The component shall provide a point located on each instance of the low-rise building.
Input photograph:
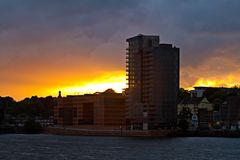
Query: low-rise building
(198, 92)
(230, 113)
(105, 109)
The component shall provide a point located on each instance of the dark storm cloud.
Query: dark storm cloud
(41, 20)
(97, 29)
(36, 18)
(199, 27)
(50, 26)
(216, 16)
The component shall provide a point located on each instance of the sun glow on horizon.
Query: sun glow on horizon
(114, 80)
(229, 81)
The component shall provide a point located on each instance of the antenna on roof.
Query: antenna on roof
(59, 94)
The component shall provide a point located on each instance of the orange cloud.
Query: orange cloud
(219, 70)
(229, 81)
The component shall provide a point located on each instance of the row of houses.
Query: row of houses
(214, 113)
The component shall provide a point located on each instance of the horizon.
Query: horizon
(95, 92)
(79, 47)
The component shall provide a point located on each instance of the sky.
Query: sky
(78, 46)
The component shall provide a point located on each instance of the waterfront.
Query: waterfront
(43, 146)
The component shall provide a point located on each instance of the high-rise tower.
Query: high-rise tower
(153, 83)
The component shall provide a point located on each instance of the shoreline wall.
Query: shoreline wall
(123, 133)
(139, 133)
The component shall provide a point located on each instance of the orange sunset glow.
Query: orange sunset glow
(228, 82)
(73, 86)
(115, 80)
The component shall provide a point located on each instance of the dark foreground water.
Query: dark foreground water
(30, 147)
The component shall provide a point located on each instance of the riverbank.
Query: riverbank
(207, 133)
(6, 129)
(28, 128)
(124, 133)
(105, 132)
(137, 133)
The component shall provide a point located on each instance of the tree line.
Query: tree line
(31, 107)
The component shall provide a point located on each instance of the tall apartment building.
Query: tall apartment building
(153, 83)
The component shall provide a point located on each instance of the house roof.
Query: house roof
(194, 100)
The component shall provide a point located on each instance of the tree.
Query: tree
(183, 124)
(32, 127)
(31, 107)
(183, 116)
(183, 94)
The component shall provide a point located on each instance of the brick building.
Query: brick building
(106, 109)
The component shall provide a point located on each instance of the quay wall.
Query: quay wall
(90, 132)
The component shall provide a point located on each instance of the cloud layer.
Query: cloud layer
(58, 42)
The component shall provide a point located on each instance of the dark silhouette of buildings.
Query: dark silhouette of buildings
(201, 91)
(201, 108)
(153, 83)
(233, 111)
(100, 109)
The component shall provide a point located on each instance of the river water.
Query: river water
(54, 147)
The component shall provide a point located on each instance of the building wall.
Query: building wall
(114, 113)
(224, 112)
(87, 113)
(99, 111)
(233, 110)
(205, 118)
(166, 83)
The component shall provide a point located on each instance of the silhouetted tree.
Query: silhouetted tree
(183, 116)
(31, 107)
(30, 126)
(183, 124)
(183, 94)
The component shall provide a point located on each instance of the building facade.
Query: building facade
(104, 109)
(153, 83)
